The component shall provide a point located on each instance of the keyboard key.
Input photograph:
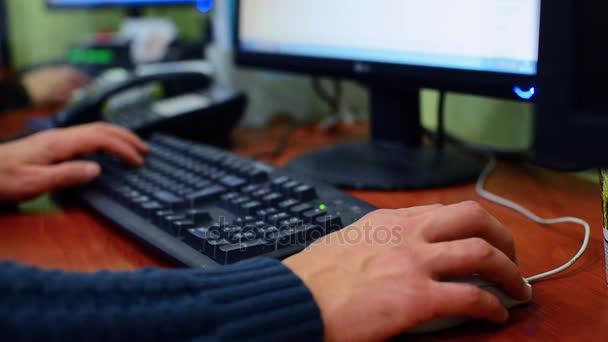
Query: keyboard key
(161, 215)
(272, 199)
(268, 232)
(169, 200)
(301, 235)
(230, 231)
(275, 219)
(299, 210)
(287, 204)
(250, 189)
(227, 198)
(237, 203)
(278, 182)
(214, 229)
(243, 236)
(261, 193)
(257, 175)
(196, 238)
(149, 209)
(137, 202)
(311, 215)
(229, 254)
(168, 221)
(244, 221)
(199, 216)
(251, 208)
(233, 182)
(179, 228)
(265, 213)
(292, 222)
(260, 224)
(305, 193)
(206, 195)
(289, 187)
(211, 249)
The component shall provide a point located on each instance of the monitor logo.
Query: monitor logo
(525, 94)
(362, 68)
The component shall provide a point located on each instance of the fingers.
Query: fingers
(72, 142)
(476, 256)
(466, 300)
(468, 220)
(119, 148)
(127, 136)
(64, 175)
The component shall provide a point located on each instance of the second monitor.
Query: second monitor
(396, 47)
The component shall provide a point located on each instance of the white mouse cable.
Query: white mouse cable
(512, 205)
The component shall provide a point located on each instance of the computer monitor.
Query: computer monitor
(134, 6)
(396, 47)
(572, 108)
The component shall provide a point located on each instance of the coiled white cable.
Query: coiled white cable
(520, 209)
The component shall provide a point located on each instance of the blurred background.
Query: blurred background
(34, 34)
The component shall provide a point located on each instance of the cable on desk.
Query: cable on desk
(440, 137)
(281, 146)
(520, 209)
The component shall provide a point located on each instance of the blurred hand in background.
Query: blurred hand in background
(53, 85)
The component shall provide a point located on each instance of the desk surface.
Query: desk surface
(573, 305)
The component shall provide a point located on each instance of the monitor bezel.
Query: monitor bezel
(467, 81)
(50, 5)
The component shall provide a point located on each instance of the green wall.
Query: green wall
(39, 34)
(479, 120)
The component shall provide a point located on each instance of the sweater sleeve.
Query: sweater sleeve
(13, 95)
(259, 299)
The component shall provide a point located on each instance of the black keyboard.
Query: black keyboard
(206, 207)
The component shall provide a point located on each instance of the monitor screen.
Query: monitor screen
(476, 35)
(102, 3)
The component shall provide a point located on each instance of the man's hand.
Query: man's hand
(39, 164)
(53, 85)
(387, 273)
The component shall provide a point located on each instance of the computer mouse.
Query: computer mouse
(446, 323)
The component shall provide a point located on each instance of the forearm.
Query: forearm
(259, 299)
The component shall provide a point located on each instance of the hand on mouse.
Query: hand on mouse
(40, 163)
(386, 273)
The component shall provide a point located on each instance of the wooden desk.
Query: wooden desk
(571, 306)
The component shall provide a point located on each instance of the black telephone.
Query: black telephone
(193, 107)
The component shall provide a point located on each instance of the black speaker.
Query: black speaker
(572, 103)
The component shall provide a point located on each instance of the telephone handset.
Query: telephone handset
(90, 107)
(192, 108)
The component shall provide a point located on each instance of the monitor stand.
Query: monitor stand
(395, 158)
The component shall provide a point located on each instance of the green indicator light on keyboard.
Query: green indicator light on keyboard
(323, 207)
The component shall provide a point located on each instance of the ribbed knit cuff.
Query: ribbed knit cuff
(264, 300)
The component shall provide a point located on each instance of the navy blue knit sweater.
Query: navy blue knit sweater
(260, 299)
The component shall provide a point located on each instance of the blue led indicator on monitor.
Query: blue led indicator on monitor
(204, 5)
(525, 94)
